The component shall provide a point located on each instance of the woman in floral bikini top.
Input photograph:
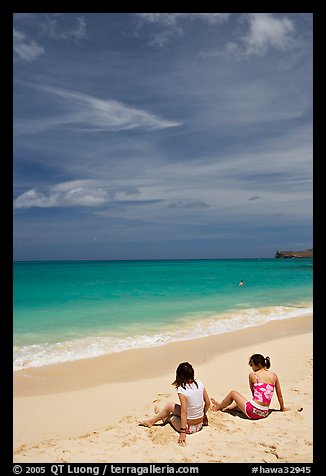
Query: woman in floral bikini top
(262, 391)
(262, 383)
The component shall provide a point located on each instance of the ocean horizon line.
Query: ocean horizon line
(149, 259)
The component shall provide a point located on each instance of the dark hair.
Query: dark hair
(258, 359)
(184, 373)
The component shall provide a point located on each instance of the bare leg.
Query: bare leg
(169, 410)
(233, 396)
(233, 406)
(215, 404)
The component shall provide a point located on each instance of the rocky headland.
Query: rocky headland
(294, 254)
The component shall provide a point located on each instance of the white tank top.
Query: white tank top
(195, 399)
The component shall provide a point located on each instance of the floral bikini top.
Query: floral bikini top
(263, 392)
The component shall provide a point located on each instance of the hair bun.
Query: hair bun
(267, 362)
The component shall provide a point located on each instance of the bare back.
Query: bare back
(264, 376)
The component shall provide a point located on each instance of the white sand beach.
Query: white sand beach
(88, 410)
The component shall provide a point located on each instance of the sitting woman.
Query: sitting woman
(190, 416)
(262, 383)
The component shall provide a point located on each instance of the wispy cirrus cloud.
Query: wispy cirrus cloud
(90, 113)
(122, 140)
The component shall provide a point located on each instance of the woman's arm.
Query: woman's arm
(279, 394)
(183, 418)
(206, 406)
(251, 382)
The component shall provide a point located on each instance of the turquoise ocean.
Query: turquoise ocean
(70, 310)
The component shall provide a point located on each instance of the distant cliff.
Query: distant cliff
(294, 254)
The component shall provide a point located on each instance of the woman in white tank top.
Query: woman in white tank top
(190, 415)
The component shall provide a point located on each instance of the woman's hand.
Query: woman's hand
(182, 439)
(205, 420)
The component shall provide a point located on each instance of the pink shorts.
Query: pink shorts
(254, 411)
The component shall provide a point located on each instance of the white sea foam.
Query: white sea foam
(204, 325)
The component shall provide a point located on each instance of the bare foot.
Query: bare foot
(149, 422)
(146, 423)
(215, 405)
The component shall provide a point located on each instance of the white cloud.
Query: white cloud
(90, 113)
(80, 196)
(81, 193)
(25, 49)
(74, 184)
(273, 176)
(267, 32)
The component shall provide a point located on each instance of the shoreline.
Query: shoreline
(88, 410)
(92, 346)
(136, 364)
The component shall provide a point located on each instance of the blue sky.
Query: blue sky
(155, 135)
